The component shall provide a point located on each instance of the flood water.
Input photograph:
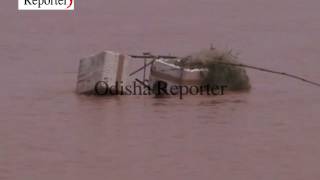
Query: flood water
(48, 132)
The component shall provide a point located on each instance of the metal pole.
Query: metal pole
(144, 70)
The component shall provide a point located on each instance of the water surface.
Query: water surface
(49, 132)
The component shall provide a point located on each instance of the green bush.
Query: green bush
(220, 72)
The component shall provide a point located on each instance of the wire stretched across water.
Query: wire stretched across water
(230, 64)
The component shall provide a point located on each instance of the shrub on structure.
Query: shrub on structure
(220, 68)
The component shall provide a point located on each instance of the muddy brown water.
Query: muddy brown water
(49, 132)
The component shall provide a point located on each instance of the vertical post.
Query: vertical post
(144, 70)
(145, 65)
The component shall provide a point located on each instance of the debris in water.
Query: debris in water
(219, 71)
(211, 67)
